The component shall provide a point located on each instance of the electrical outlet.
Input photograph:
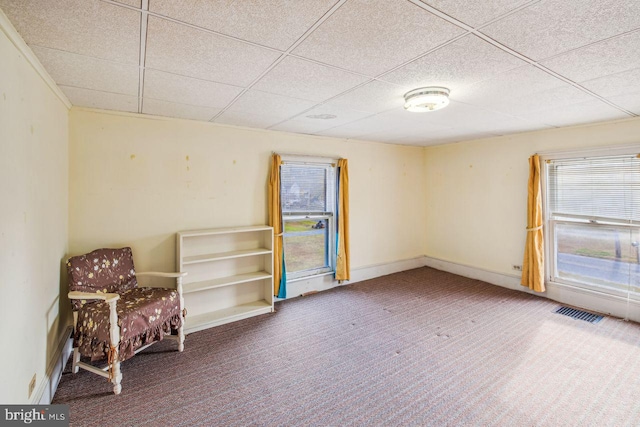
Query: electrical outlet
(517, 267)
(32, 385)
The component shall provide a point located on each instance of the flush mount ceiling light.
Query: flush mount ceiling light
(426, 99)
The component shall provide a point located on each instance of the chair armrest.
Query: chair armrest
(177, 276)
(161, 274)
(91, 295)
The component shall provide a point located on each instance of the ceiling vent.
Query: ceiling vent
(322, 116)
(426, 99)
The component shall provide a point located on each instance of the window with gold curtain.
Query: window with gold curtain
(309, 210)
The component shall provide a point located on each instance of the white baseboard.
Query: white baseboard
(296, 288)
(506, 281)
(48, 387)
(583, 298)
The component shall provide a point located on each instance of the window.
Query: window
(593, 223)
(308, 196)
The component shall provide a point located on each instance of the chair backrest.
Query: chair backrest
(103, 270)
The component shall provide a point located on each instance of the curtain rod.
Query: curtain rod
(307, 155)
(623, 149)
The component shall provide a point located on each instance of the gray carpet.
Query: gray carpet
(417, 348)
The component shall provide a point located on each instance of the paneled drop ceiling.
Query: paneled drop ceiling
(340, 68)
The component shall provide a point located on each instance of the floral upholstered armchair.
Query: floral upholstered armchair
(113, 317)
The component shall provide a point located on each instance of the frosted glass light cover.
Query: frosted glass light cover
(426, 99)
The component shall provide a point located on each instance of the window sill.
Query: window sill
(313, 276)
(632, 299)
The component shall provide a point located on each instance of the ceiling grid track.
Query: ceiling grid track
(284, 54)
(468, 30)
(144, 21)
(518, 55)
(626, 33)
(529, 60)
(302, 38)
(215, 33)
(371, 79)
(189, 25)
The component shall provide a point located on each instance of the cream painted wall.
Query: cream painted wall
(476, 191)
(136, 180)
(33, 223)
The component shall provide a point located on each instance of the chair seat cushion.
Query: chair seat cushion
(144, 316)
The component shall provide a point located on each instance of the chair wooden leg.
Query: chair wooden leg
(117, 377)
(76, 358)
(182, 314)
(114, 357)
(180, 338)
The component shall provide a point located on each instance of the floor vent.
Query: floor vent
(579, 314)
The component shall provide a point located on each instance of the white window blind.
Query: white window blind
(602, 188)
(305, 188)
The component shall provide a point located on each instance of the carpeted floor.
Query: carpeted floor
(417, 348)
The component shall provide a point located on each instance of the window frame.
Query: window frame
(551, 223)
(331, 216)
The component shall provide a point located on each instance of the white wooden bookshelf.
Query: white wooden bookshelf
(230, 274)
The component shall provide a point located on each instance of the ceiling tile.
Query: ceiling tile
(262, 121)
(473, 118)
(393, 124)
(373, 124)
(474, 13)
(630, 101)
(134, 3)
(577, 114)
(342, 132)
(184, 50)
(463, 62)
(456, 134)
(187, 90)
(615, 84)
(411, 122)
(512, 84)
(322, 116)
(70, 69)
(253, 21)
(543, 100)
(305, 124)
(551, 27)
(297, 78)
(91, 28)
(182, 111)
(504, 125)
(352, 130)
(373, 97)
(373, 36)
(263, 103)
(104, 100)
(439, 138)
(388, 137)
(296, 126)
(426, 137)
(599, 59)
